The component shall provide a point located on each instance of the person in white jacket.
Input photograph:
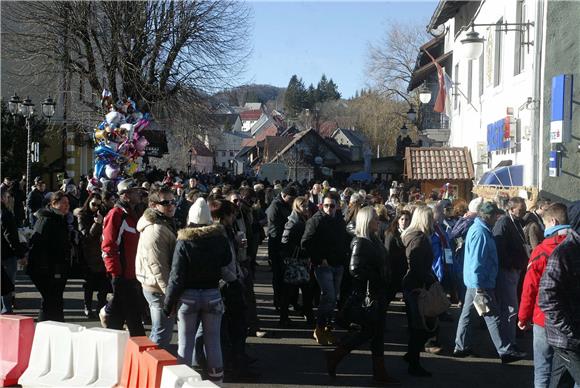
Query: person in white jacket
(153, 260)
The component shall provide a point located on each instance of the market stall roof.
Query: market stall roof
(505, 176)
(438, 163)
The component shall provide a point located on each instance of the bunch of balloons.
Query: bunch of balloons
(118, 139)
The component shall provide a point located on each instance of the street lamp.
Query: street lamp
(472, 45)
(404, 130)
(424, 94)
(25, 108)
(411, 114)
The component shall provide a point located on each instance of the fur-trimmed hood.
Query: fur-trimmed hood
(197, 233)
(152, 217)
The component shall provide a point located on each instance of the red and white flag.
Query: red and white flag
(442, 93)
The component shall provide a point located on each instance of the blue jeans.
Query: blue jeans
(507, 296)
(329, 278)
(161, 325)
(203, 305)
(543, 354)
(10, 266)
(463, 336)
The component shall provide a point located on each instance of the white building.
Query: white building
(501, 101)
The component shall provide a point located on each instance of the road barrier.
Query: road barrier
(133, 365)
(16, 335)
(176, 375)
(154, 361)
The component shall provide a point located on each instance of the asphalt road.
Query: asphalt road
(290, 357)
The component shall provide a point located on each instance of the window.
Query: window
(520, 56)
(469, 80)
(481, 75)
(224, 154)
(497, 53)
(231, 153)
(454, 89)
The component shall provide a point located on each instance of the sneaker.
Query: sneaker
(462, 353)
(435, 349)
(104, 317)
(514, 356)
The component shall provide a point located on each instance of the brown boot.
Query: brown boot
(319, 335)
(380, 374)
(334, 358)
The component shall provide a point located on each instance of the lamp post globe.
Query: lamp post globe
(472, 45)
(411, 114)
(48, 107)
(404, 130)
(27, 107)
(14, 104)
(424, 94)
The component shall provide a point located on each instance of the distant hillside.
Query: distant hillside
(238, 96)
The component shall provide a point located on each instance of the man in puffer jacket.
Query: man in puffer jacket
(153, 260)
(555, 220)
(119, 247)
(560, 301)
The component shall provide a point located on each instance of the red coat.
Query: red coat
(119, 245)
(529, 310)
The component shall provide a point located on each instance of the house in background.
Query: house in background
(354, 141)
(201, 158)
(250, 118)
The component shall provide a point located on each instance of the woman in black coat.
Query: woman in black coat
(90, 225)
(396, 251)
(291, 238)
(419, 254)
(370, 272)
(49, 257)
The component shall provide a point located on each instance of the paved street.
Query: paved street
(292, 358)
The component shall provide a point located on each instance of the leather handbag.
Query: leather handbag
(359, 308)
(432, 301)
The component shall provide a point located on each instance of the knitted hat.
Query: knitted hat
(199, 213)
(475, 204)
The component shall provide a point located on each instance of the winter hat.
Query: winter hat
(199, 213)
(475, 204)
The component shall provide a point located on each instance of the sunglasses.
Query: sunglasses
(167, 202)
(329, 205)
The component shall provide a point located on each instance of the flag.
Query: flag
(442, 93)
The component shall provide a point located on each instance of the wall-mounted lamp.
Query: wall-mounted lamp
(472, 45)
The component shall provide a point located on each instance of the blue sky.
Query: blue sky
(309, 38)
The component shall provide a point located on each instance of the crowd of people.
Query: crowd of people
(166, 249)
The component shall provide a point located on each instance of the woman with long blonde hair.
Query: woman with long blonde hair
(417, 240)
(370, 277)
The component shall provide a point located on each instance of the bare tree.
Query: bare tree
(157, 52)
(391, 60)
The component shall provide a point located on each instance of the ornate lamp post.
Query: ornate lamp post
(25, 108)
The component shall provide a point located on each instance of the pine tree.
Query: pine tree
(322, 89)
(311, 97)
(294, 96)
(332, 91)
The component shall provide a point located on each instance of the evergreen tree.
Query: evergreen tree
(311, 97)
(322, 89)
(332, 91)
(295, 96)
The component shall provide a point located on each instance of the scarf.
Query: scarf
(554, 229)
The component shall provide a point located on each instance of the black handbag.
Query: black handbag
(359, 309)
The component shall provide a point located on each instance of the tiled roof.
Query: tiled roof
(274, 144)
(327, 128)
(251, 115)
(438, 163)
(200, 149)
(269, 131)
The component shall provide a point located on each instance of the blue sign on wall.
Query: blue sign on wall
(496, 136)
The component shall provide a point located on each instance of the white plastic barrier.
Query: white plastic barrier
(175, 376)
(51, 358)
(199, 384)
(68, 355)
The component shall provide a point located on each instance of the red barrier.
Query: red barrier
(153, 362)
(133, 365)
(16, 334)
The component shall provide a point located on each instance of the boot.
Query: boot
(380, 374)
(334, 358)
(319, 335)
(330, 340)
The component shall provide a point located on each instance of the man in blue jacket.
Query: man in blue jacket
(480, 271)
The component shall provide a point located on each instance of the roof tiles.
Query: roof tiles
(438, 163)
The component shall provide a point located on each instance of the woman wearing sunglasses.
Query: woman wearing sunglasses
(90, 225)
